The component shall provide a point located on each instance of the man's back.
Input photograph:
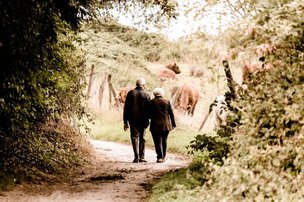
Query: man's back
(135, 118)
(134, 108)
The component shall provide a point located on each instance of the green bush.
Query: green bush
(266, 154)
(216, 147)
(41, 83)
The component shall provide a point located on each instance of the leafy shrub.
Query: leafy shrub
(216, 147)
(266, 153)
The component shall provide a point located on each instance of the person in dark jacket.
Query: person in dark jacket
(135, 117)
(162, 121)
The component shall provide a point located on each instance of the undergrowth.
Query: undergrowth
(45, 156)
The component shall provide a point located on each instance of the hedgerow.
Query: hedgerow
(266, 154)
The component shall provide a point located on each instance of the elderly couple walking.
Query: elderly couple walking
(138, 109)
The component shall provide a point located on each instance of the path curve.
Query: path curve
(111, 178)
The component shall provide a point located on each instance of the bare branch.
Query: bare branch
(235, 9)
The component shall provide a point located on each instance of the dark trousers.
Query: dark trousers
(138, 141)
(160, 143)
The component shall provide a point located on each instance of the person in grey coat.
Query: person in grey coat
(135, 117)
(162, 122)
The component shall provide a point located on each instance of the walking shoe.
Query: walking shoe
(135, 161)
(159, 161)
(143, 160)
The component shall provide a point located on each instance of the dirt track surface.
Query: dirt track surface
(111, 177)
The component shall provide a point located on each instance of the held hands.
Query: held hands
(126, 126)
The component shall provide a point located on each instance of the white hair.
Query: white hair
(158, 92)
(140, 82)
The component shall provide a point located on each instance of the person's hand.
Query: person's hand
(126, 126)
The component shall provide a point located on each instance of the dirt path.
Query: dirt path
(112, 177)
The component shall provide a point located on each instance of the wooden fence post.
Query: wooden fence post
(204, 121)
(90, 82)
(230, 81)
(101, 90)
(112, 92)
